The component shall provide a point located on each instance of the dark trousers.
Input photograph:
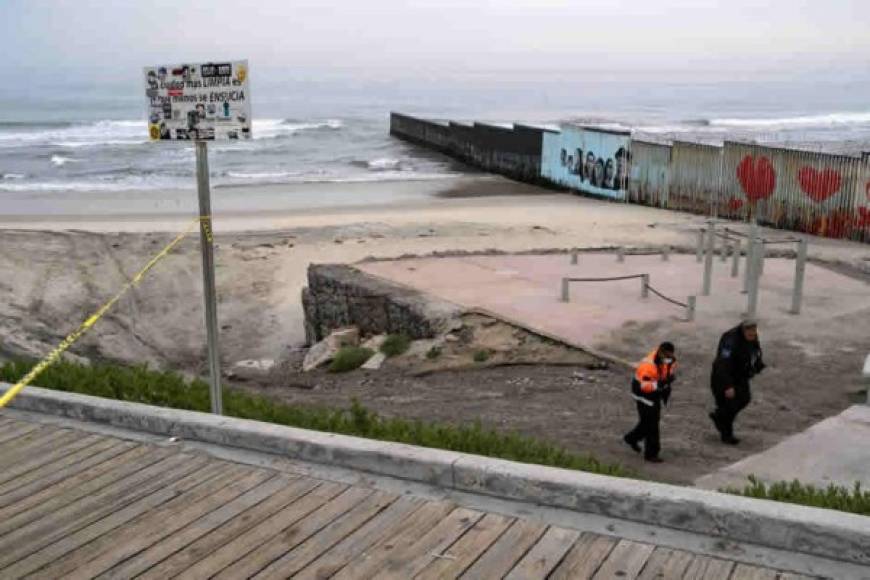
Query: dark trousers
(647, 429)
(728, 409)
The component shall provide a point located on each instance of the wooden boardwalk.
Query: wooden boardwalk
(74, 504)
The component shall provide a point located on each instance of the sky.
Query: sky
(328, 39)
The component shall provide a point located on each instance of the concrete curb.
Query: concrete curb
(817, 532)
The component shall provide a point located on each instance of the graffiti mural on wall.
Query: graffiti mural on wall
(589, 160)
(817, 193)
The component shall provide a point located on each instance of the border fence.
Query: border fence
(805, 191)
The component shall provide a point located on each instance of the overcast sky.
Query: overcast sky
(427, 37)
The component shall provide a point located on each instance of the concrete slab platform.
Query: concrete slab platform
(526, 289)
(840, 455)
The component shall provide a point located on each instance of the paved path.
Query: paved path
(81, 504)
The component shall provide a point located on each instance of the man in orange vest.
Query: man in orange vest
(650, 387)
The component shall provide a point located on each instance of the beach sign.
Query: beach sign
(206, 101)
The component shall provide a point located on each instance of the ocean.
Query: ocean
(83, 141)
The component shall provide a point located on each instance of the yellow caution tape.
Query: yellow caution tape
(55, 354)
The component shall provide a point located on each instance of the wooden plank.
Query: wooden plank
(34, 443)
(47, 457)
(39, 533)
(401, 564)
(49, 475)
(463, 553)
(294, 535)
(236, 527)
(386, 523)
(507, 550)
(625, 561)
(18, 431)
(161, 550)
(16, 514)
(262, 532)
(666, 564)
(704, 568)
(545, 555)
(100, 556)
(585, 558)
(49, 501)
(303, 554)
(746, 572)
(366, 564)
(53, 553)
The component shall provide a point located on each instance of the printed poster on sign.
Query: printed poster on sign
(205, 101)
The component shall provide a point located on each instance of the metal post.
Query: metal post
(735, 259)
(666, 254)
(750, 255)
(206, 237)
(691, 303)
(574, 258)
(700, 249)
(799, 271)
(644, 286)
(565, 296)
(620, 254)
(755, 278)
(723, 253)
(762, 253)
(708, 261)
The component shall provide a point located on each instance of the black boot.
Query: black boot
(632, 444)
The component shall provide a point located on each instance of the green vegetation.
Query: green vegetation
(433, 353)
(833, 497)
(350, 358)
(167, 389)
(396, 344)
(481, 356)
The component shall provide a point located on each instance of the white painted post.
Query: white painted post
(666, 254)
(644, 286)
(708, 261)
(735, 259)
(691, 304)
(573, 258)
(620, 254)
(755, 279)
(700, 249)
(565, 297)
(799, 272)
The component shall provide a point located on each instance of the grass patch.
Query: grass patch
(350, 358)
(396, 344)
(167, 389)
(433, 353)
(854, 500)
(481, 356)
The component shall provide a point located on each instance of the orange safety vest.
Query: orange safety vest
(650, 375)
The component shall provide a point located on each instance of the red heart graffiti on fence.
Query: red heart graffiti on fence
(819, 185)
(757, 177)
(864, 217)
(735, 203)
(867, 190)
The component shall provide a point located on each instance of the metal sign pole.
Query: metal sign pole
(206, 242)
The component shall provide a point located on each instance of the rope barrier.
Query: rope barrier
(665, 298)
(633, 276)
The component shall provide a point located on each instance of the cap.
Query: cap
(749, 323)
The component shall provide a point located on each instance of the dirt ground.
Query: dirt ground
(588, 411)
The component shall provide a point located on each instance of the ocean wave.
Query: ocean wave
(11, 176)
(261, 175)
(381, 164)
(276, 128)
(60, 160)
(805, 121)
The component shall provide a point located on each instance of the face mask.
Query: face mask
(668, 361)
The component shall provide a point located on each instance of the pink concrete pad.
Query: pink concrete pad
(527, 289)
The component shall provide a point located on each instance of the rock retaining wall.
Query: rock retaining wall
(340, 295)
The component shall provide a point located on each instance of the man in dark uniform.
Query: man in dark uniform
(738, 359)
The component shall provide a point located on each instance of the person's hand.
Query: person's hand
(729, 393)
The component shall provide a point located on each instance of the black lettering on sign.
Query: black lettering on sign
(216, 70)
